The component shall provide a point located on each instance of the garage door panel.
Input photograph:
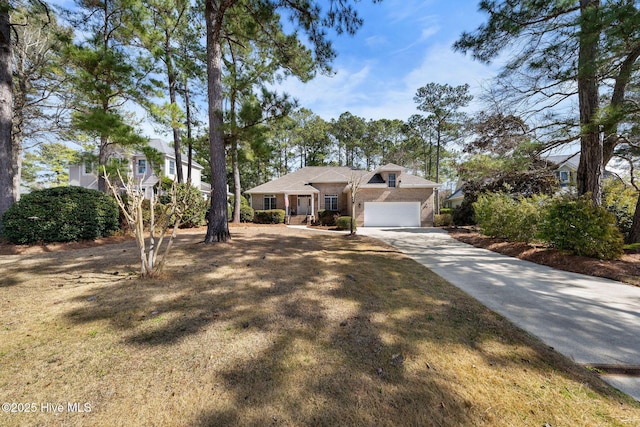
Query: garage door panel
(392, 214)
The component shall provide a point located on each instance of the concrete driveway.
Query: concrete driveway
(592, 321)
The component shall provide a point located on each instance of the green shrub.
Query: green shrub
(580, 227)
(443, 220)
(327, 217)
(620, 199)
(344, 223)
(499, 215)
(246, 211)
(61, 214)
(444, 211)
(194, 215)
(464, 214)
(273, 216)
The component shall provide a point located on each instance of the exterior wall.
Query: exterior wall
(332, 189)
(422, 195)
(257, 201)
(196, 173)
(77, 177)
(453, 203)
(571, 176)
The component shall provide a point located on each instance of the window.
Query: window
(331, 202)
(88, 168)
(172, 167)
(269, 202)
(564, 176)
(142, 166)
(392, 180)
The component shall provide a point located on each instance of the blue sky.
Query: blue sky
(403, 45)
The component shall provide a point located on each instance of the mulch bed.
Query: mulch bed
(625, 269)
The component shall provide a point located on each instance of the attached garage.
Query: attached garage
(392, 214)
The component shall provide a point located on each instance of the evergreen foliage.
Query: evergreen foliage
(582, 228)
(500, 215)
(344, 223)
(273, 216)
(61, 214)
(196, 206)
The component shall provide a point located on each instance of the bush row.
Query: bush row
(60, 214)
(273, 216)
(568, 223)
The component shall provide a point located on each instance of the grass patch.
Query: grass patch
(277, 327)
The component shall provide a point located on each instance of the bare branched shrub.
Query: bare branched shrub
(162, 218)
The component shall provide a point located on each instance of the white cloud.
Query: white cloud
(377, 41)
(441, 64)
(386, 90)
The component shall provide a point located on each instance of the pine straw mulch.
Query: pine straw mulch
(625, 269)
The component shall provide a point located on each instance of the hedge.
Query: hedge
(344, 223)
(500, 215)
(327, 217)
(61, 214)
(273, 216)
(582, 228)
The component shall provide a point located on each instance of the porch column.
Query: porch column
(286, 203)
(312, 206)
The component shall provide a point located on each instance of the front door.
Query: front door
(304, 205)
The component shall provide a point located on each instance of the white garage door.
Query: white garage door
(392, 214)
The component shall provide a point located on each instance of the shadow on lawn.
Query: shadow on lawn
(362, 365)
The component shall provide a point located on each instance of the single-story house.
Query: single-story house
(385, 197)
(85, 175)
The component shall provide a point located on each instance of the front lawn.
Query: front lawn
(277, 327)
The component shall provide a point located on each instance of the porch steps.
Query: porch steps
(298, 220)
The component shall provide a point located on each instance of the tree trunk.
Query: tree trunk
(436, 191)
(589, 175)
(21, 89)
(236, 182)
(7, 195)
(189, 140)
(171, 76)
(217, 228)
(103, 157)
(634, 234)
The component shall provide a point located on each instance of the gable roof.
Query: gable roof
(571, 160)
(166, 149)
(302, 180)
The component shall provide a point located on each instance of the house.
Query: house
(455, 199)
(386, 197)
(566, 167)
(84, 175)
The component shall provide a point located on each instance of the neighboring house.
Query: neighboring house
(84, 175)
(565, 168)
(386, 197)
(455, 199)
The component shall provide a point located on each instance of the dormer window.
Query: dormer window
(392, 180)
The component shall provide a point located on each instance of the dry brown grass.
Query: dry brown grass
(277, 327)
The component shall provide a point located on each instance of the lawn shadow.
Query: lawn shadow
(325, 331)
